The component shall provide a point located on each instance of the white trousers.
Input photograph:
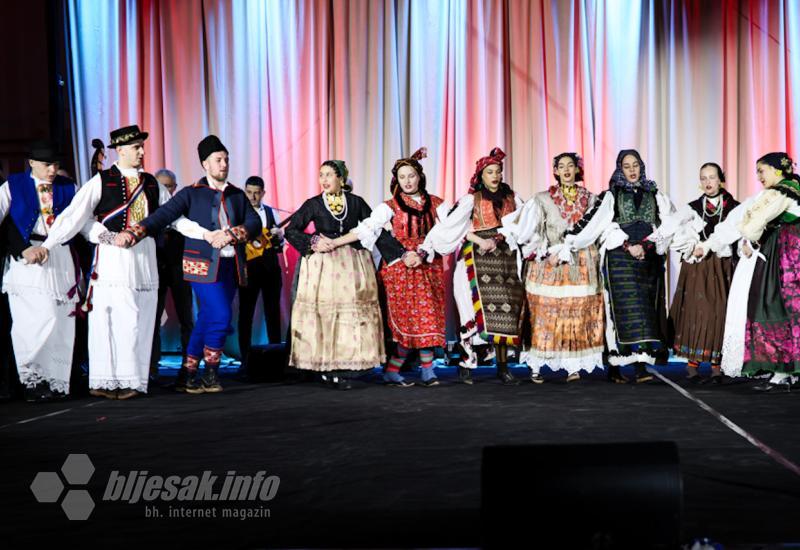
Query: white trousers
(121, 337)
(43, 334)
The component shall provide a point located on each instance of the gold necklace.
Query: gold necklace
(570, 193)
(335, 202)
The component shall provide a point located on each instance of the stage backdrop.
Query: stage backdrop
(288, 84)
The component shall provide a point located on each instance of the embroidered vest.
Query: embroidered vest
(116, 192)
(483, 216)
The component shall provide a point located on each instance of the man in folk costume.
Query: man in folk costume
(42, 296)
(123, 288)
(214, 260)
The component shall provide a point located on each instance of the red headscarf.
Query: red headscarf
(496, 156)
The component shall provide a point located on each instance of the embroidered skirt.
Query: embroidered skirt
(497, 293)
(336, 318)
(565, 305)
(772, 335)
(698, 309)
(415, 303)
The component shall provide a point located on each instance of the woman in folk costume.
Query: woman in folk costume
(336, 325)
(414, 288)
(767, 338)
(632, 256)
(701, 296)
(488, 292)
(564, 299)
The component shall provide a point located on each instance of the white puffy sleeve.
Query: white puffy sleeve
(525, 228)
(78, 216)
(668, 217)
(369, 229)
(601, 226)
(182, 225)
(5, 201)
(448, 233)
(769, 206)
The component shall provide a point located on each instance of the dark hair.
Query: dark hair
(99, 149)
(394, 186)
(255, 181)
(338, 171)
(578, 164)
(720, 173)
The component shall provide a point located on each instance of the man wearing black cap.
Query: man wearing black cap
(213, 263)
(123, 287)
(41, 296)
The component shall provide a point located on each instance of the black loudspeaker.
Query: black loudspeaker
(619, 495)
(267, 363)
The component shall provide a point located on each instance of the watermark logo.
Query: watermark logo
(49, 486)
(140, 486)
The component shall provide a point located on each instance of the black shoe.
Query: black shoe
(642, 375)
(465, 375)
(186, 382)
(210, 380)
(343, 383)
(696, 379)
(39, 394)
(615, 376)
(765, 387)
(505, 376)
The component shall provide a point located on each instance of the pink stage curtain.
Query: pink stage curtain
(287, 84)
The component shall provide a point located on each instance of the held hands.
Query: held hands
(747, 249)
(324, 244)
(637, 251)
(412, 259)
(698, 252)
(487, 245)
(218, 238)
(123, 239)
(553, 260)
(35, 254)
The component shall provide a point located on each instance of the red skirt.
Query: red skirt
(415, 303)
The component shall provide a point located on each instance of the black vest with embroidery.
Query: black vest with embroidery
(115, 194)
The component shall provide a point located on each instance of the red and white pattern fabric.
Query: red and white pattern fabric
(414, 296)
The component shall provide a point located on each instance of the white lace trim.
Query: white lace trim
(58, 295)
(620, 360)
(590, 362)
(736, 318)
(116, 384)
(30, 378)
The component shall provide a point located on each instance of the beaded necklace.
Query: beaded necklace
(336, 205)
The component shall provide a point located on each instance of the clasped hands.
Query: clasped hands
(218, 239)
(35, 254)
(637, 251)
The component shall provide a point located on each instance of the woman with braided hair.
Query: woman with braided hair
(486, 285)
(414, 287)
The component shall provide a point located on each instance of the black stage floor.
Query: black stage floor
(380, 466)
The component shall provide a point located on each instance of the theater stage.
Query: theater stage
(379, 466)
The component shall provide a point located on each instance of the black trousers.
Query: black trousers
(171, 278)
(263, 277)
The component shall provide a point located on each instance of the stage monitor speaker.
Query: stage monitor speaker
(267, 363)
(620, 495)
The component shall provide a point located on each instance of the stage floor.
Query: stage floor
(385, 466)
